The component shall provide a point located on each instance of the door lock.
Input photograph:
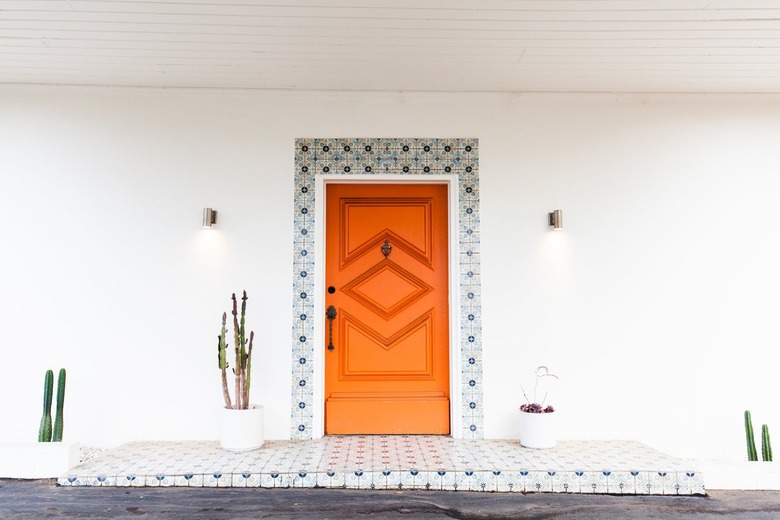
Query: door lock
(331, 315)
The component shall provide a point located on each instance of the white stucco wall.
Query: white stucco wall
(657, 305)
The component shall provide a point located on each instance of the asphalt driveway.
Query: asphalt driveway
(43, 499)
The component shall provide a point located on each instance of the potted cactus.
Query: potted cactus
(45, 431)
(766, 443)
(49, 456)
(242, 422)
(751, 473)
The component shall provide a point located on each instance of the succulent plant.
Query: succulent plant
(536, 407)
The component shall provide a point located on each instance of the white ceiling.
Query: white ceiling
(437, 45)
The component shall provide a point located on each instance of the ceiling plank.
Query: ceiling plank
(491, 45)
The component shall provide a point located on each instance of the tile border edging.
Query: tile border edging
(411, 157)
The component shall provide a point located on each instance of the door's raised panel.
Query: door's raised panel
(407, 354)
(387, 288)
(361, 222)
(364, 227)
(374, 247)
(427, 413)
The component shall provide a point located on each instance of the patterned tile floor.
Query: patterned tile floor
(397, 462)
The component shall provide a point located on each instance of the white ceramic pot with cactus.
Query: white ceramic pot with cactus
(538, 420)
(50, 457)
(242, 423)
(242, 430)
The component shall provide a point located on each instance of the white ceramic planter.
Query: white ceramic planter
(723, 474)
(37, 459)
(242, 430)
(538, 430)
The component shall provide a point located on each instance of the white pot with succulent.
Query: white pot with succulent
(537, 421)
(242, 423)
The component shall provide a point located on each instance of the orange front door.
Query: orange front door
(387, 353)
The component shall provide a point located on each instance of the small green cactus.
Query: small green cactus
(751, 441)
(766, 444)
(59, 418)
(44, 430)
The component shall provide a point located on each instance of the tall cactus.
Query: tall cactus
(248, 368)
(766, 444)
(59, 418)
(751, 441)
(243, 356)
(246, 353)
(44, 430)
(238, 347)
(222, 358)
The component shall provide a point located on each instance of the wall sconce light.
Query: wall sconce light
(209, 217)
(555, 219)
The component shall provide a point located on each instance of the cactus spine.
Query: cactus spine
(243, 356)
(59, 418)
(766, 444)
(44, 430)
(751, 441)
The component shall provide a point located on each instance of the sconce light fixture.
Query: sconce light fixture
(209, 217)
(555, 219)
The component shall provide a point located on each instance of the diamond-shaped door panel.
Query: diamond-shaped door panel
(387, 288)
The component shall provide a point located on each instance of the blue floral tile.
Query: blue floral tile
(159, 480)
(387, 478)
(413, 478)
(663, 482)
(393, 156)
(188, 480)
(303, 479)
(103, 481)
(443, 479)
(691, 481)
(122, 481)
(358, 479)
(621, 483)
(330, 479)
(275, 479)
(564, 482)
(467, 480)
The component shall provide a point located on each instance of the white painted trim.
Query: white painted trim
(318, 419)
(456, 426)
(320, 181)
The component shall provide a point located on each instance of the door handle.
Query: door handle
(331, 315)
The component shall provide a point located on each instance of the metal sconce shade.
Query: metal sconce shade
(209, 217)
(556, 219)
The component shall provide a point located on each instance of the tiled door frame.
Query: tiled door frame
(450, 161)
